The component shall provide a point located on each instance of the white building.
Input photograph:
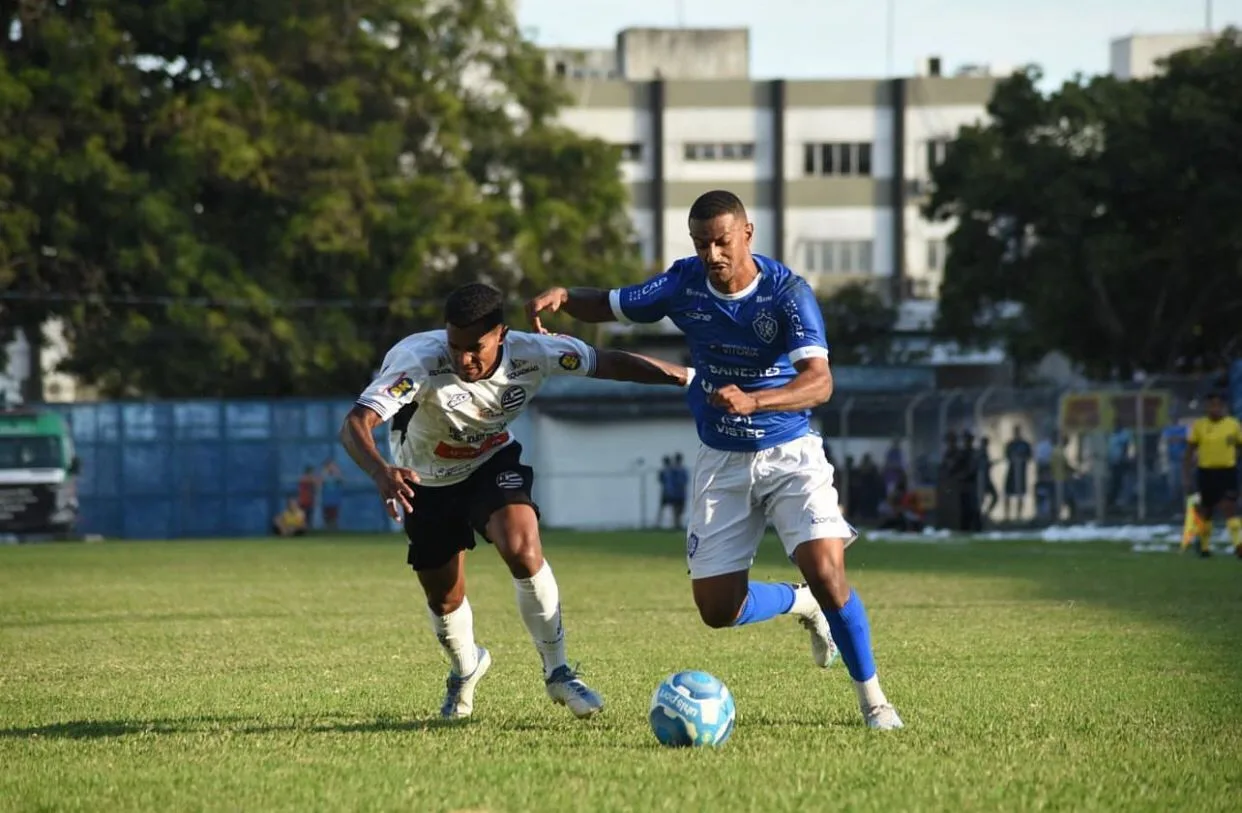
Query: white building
(833, 172)
(1136, 57)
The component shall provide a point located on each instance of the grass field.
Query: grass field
(271, 675)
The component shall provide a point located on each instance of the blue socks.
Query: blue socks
(766, 600)
(852, 634)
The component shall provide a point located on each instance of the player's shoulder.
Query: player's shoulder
(780, 279)
(427, 349)
(521, 340)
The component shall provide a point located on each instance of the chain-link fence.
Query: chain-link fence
(1102, 453)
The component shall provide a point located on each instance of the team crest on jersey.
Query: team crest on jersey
(509, 480)
(692, 545)
(401, 387)
(765, 327)
(570, 361)
(512, 399)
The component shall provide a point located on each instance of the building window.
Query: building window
(631, 152)
(838, 256)
(715, 151)
(936, 253)
(937, 151)
(836, 159)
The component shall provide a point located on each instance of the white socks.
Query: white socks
(539, 604)
(455, 632)
(870, 694)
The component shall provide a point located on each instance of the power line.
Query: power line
(207, 302)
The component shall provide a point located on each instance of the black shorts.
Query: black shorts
(676, 504)
(446, 518)
(1216, 486)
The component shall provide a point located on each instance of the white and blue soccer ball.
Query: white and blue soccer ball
(691, 709)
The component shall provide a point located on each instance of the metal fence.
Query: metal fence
(208, 468)
(1103, 453)
(224, 468)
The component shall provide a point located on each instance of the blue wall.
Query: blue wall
(208, 468)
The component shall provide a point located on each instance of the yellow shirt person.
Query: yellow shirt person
(1214, 441)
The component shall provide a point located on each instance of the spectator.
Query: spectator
(902, 511)
(308, 485)
(1176, 437)
(1017, 473)
(968, 476)
(870, 487)
(949, 485)
(1120, 443)
(680, 485)
(291, 521)
(1062, 482)
(987, 487)
(331, 492)
(894, 465)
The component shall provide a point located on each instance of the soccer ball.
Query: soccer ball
(691, 709)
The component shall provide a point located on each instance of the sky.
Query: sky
(803, 39)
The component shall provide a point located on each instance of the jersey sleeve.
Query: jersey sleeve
(1196, 434)
(645, 302)
(397, 383)
(802, 321)
(565, 355)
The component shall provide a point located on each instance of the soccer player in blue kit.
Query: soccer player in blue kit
(757, 344)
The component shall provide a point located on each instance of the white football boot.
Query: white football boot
(882, 718)
(567, 689)
(811, 617)
(459, 690)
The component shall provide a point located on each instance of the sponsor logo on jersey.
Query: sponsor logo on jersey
(698, 316)
(522, 367)
(763, 299)
(747, 432)
(744, 372)
(450, 452)
(570, 361)
(735, 350)
(512, 399)
(794, 318)
(441, 371)
(509, 480)
(765, 327)
(456, 400)
(655, 285)
(697, 292)
(403, 386)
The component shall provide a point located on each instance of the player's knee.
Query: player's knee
(522, 553)
(824, 572)
(446, 601)
(719, 612)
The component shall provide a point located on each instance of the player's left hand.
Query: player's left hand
(733, 400)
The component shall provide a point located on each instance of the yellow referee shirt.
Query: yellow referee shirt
(1216, 442)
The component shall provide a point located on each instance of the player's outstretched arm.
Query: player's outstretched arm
(583, 304)
(618, 365)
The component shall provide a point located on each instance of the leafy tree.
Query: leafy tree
(859, 325)
(304, 184)
(1101, 220)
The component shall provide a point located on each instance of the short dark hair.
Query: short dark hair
(475, 304)
(713, 204)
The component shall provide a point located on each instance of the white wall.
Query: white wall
(616, 126)
(717, 125)
(926, 123)
(602, 475)
(803, 224)
(862, 125)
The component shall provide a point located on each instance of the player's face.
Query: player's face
(723, 244)
(474, 352)
(1216, 408)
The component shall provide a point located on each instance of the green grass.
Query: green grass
(270, 675)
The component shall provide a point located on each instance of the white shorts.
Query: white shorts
(736, 495)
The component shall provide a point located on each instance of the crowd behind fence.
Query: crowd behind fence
(1102, 453)
(1109, 454)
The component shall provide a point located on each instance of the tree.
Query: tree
(859, 325)
(1101, 220)
(304, 185)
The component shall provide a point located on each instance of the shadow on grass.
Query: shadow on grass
(107, 729)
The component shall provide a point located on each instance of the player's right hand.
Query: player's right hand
(395, 485)
(551, 301)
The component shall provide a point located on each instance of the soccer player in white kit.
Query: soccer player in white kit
(757, 343)
(451, 395)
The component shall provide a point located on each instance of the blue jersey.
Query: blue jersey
(752, 339)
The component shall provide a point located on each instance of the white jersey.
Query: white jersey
(457, 426)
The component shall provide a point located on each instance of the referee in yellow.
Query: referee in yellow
(1214, 441)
